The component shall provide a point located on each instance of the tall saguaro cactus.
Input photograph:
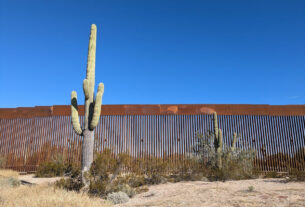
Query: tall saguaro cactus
(218, 141)
(92, 106)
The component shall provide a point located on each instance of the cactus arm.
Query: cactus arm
(216, 133)
(74, 114)
(86, 88)
(215, 126)
(91, 60)
(234, 142)
(90, 76)
(97, 106)
(219, 149)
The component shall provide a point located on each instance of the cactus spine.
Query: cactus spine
(92, 107)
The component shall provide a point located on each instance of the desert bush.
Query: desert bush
(104, 171)
(72, 183)
(236, 164)
(57, 167)
(100, 175)
(74, 180)
(117, 197)
(99, 188)
(102, 167)
(50, 169)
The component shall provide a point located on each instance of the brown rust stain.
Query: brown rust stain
(207, 110)
(172, 109)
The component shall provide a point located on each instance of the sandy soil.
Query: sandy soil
(266, 192)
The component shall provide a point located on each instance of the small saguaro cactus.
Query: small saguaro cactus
(218, 141)
(92, 106)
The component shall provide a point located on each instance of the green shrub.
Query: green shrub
(104, 171)
(72, 184)
(50, 169)
(57, 167)
(99, 188)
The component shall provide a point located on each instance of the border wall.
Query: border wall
(31, 135)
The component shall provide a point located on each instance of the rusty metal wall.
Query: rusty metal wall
(278, 139)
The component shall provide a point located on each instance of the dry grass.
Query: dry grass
(8, 173)
(46, 196)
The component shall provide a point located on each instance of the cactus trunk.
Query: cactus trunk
(219, 149)
(87, 150)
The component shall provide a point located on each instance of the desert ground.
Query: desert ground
(264, 192)
(244, 193)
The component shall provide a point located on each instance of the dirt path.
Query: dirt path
(266, 192)
(31, 179)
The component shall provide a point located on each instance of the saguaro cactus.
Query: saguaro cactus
(218, 141)
(92, 107)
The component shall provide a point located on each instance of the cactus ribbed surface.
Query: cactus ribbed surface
(92, 107)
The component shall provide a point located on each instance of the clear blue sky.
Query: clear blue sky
(154, 52)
